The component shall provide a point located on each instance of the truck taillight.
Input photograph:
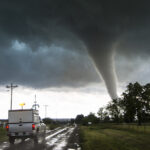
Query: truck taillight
(7, 127)
(33, 126)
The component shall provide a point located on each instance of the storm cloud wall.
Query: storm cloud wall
(102, 26)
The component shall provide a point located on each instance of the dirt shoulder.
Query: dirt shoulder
(73, 141)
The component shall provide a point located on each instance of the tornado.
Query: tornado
(101, 47)
(102, 55)
(106, 69)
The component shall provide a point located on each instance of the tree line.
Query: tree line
(132, 106)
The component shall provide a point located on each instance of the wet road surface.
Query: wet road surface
(54, 140)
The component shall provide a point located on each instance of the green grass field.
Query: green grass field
(115, 137)
(3, 134)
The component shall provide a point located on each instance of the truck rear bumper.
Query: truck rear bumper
(21, 134)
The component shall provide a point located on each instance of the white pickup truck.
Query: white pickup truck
(24, 123)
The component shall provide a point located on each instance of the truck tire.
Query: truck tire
(11, 140)
(44, 133)
(43, 136)
(35, 140)
(23, 140)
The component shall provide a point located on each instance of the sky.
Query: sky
(74, 55)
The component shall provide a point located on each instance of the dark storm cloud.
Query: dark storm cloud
(47, 66)
(100, 26)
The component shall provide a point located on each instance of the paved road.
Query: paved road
(55, 140)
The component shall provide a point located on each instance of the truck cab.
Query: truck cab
(25, 123)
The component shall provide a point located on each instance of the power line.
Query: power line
(11, 86)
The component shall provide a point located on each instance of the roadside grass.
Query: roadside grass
(113, 137)
(3, 135)
(145, 128)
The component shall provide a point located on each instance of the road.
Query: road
(58, 139)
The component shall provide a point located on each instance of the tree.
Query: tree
(92, 118)
(72, 121)
(79, 119)
(47, 120)
(103, 114)
(134, 105)
(146, 97)
(136, 102)
(107, 119)
(115, 110)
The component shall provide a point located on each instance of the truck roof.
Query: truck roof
(23, 110)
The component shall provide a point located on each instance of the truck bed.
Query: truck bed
(20, 122)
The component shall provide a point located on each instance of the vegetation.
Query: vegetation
(51, 124)
(133, 106)
(85, 120)
(114, 137)
(123, 124)
(3, 134)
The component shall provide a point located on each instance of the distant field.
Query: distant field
(3, 136)
(115, 137)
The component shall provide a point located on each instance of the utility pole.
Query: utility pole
(11, 86)
(45, 110)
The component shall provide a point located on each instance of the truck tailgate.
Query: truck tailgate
(20, 127)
